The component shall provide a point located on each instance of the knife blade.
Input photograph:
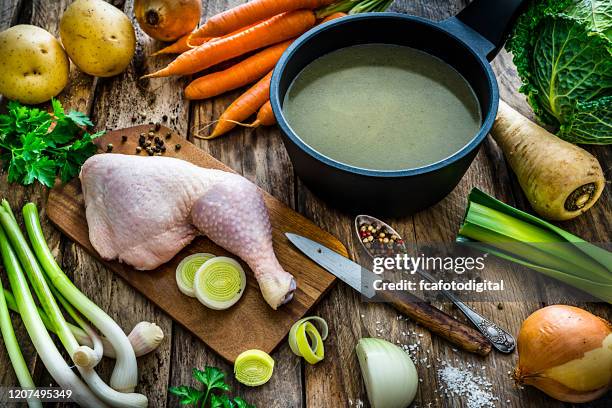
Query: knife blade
(349, 272)
(361, 279)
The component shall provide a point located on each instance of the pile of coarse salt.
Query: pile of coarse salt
(464, 383)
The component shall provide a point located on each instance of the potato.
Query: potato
(98, 37)
(33, 65)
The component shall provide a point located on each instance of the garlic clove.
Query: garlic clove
(145, 337)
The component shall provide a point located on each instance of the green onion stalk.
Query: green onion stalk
(14, 352)
(125, 373)
(354, 7)
(514, 235)
(46, 349)
(46, 297)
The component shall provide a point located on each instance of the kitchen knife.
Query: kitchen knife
(423, 313)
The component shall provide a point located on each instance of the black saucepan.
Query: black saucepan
(466, 42)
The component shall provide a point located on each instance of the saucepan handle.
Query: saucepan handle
(486, 24)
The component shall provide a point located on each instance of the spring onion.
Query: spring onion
(125, 372)
(49, 354)
(253, 368)
(145, 337)
(514, 235)
(389, 374)
(219, 283)
(186, 270)
(306, 341)
(14, 352)
(27, 258)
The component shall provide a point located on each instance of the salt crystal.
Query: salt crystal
(476, 389)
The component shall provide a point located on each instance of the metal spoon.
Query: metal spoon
(499, 338)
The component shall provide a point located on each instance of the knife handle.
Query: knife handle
(438, 322)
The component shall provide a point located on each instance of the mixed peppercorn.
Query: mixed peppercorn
(379, 240)
(152, 142)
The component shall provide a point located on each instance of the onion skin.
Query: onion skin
(554, 336)
(167, 20)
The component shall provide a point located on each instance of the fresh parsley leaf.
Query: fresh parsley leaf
(187, 395)
(36, 145)
(212, 378)
(240, 403)
(79, 118)
(42, 170)
(220, 401)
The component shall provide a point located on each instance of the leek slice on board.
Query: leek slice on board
(219, 283)
(495, 227)
(186, 270)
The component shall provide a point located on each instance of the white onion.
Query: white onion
(389, 374)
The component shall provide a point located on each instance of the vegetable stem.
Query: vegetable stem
(51, 357)
(14, 352)
(125, 373)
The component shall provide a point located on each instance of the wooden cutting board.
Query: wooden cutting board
(251, 323)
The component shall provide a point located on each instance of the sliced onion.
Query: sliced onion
(389, 374)
(253, 368)
(186, 270)
(306, 341)
(219, 283)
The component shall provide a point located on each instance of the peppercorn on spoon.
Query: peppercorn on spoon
(379, 239)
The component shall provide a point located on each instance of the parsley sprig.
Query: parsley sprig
(214, 393)
(38, 145)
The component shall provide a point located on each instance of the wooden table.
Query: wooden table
(260, 156)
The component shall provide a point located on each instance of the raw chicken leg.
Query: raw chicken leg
(144, 210)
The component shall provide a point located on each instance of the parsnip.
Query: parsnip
(560, 180)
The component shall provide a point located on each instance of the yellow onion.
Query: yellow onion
(565, 352)
(167, 20)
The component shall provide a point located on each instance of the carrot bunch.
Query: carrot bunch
(263, 28)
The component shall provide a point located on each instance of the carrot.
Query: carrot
(247, 104)
(334, 16)
(180, 46)
(265, 116)
(252, 12)
(276, 29)
(241, 74)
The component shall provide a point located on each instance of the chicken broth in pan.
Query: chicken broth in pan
(382, 107)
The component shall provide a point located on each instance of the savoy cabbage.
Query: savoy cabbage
(563, 53)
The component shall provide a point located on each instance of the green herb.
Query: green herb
(214, 393)
(354, 7)
(38, 145)
(519, 237)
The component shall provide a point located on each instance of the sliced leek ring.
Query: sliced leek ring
(219, 283)
(186, 270)
(306, 341)
(253, 368)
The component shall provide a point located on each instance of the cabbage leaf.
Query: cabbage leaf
(563, 53)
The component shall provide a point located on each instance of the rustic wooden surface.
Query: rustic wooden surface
(251, 323)
(259, 156)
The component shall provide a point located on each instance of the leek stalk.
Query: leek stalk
(14, 352)
(107, 394)
(125, 373)
(49, 354)
(514, 235)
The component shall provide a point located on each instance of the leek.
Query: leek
(49, 354)
(514, 235)
(14, 352)
(125, 373)
(253, 368)
(45, 296)
(144, 338)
